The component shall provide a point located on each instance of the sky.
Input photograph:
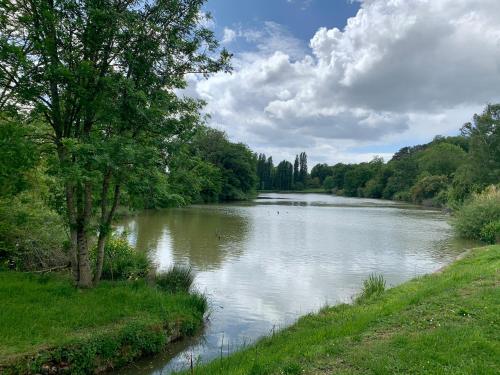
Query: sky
(346, 80)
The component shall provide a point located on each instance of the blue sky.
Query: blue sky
(349, 80)
(302, 17)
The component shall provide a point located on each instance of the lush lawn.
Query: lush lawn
(445, 323)
(46, 313)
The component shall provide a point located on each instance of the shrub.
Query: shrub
(478, 218)
(122, 261)
(177, 279)
(491, 232)
(32, 235)
(374, 285)
(428, 188)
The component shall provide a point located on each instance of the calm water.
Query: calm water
(265, 263)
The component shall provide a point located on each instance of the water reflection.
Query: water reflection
(201, 236)
(265, 263)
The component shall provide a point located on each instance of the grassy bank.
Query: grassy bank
(444, 323)
(48, 325)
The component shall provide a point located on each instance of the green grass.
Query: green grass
(47, 314)
(444, 323)
(176, 279)
(374, 285)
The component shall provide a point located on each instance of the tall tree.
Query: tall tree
(296, 175)
(104, 75)
(484, 145)
(303, 167)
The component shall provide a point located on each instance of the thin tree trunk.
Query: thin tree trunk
(85, 273)
(105, 227)
(73, 252)
(84, 214)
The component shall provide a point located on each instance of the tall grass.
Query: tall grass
(177, 279)
(374, 285)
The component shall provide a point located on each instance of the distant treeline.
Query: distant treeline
(444, 171)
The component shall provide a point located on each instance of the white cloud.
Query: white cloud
(401, 70)
(229, 35)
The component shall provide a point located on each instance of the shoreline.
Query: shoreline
(448, 295)
(44, 334)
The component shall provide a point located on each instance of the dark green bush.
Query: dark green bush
(478, 218)
(122, 261)
(177, 279)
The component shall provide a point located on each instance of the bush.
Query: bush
(177, 279)
(122, 261)
(374, 285)
(478, 218)
(491, 232)
(428, 188)
(32, 236)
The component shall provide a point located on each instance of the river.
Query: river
(265, 263)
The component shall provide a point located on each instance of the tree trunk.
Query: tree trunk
(82, 224)
(73, 253)
(105, 227)
(84, 271)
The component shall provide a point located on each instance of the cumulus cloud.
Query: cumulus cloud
(399, 70)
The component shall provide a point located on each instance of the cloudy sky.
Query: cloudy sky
(345, 80)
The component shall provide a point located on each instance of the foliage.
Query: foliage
(321, 171)
(31, 234)
(177, 279)
(211, 168)
(428, 188)
(122, 261)
(484, 136)
(373, 286)
(96, 329)
(440, 323)
(441, 159)
(491, 232)
(106, 85)
(17, 156)
(329, 183)
(479, 216)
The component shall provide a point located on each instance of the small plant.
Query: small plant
(122, 261)
(373, 286)
(177, 279)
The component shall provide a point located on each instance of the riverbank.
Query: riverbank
(48, 326)
(445, 323)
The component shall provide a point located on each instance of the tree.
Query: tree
(303, 167)
(284, 175)
(103, 74)
(321, 171)
(329, 183)
(442, 159)
(237, 164)
(484, 145)
(296, 175)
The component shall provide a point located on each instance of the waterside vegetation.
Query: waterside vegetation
(49, 326)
